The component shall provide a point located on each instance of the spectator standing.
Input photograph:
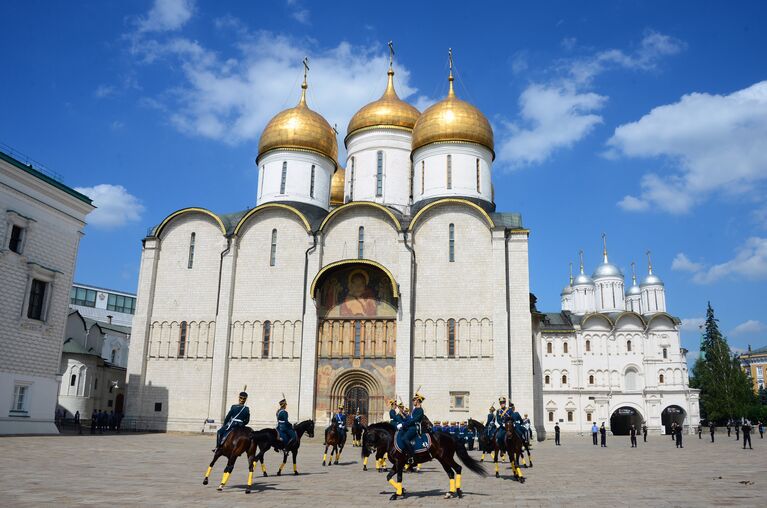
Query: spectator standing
(94, 421)
(594, 432)
(700, 431)
(644, 432)
(556, 434)
(679, 436)
(747, 434)
(761, 429)
(729, 426)
(712, 429)
(603, 436)
(633, 434)
(78, 427)
(737, 431)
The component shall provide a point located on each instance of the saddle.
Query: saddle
(420, 444)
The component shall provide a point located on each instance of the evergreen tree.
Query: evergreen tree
(726, 391)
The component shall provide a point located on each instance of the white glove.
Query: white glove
(497, 425)
(399, 426)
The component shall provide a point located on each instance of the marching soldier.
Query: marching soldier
(238, 416)
(284, 427)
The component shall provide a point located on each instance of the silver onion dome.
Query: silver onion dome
(652, 280)
(607, 270)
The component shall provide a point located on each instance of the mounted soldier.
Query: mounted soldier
(339, 420)
(516, 420)
(410, 429)
(490, 428)
(284, 427)
(238, 416)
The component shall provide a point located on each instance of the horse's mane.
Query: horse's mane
(476, 423)
(380, 426)
(304, 424)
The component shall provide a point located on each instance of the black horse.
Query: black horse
(335, 441)
(357, 429)
(272, 440)
(381, 436)
(237, 442)
(442, 447)
(514, 444)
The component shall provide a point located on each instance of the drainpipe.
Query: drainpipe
(506, 236)
(303, 314)
(411, 381)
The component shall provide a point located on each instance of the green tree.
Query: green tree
(725, 390)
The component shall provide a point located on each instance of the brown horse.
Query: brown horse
(237, 442)
(443, 447)
(334, 439)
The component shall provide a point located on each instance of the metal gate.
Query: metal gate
(357, 398)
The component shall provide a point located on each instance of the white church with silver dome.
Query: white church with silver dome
(362, 284)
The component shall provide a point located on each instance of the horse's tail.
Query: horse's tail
(467, 459)
(365, 449)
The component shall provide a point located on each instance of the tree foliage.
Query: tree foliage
(726, 391)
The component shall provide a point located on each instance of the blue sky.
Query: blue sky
(643, 121)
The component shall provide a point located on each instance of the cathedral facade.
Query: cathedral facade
(350, 286)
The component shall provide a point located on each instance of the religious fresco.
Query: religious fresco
(356, 292)
(332, 384)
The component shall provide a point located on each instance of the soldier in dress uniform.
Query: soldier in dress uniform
(460, 432)
(393, 412)
(500, 421)
(339, 420)
(412, 424)
(489, 423)
(284, 427)
(238, 416)
(437, 427)
(516, 419)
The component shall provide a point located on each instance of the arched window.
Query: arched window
(190, 262)
(665, 353)
(588, 346)
(591, 379)
(549, 347)
(351, 182)
(661, 379)
(379, 174)
(423, 173)
(628, 346)
(564, 379)
(631, 380)
(547, 379)
(569, 416)
(182, 340)
(451, 338)
(361, 243)
(564, 347)
(588, 417)
(273, 252)
(73, 380)
(284, 178)
(311, 184)
(478, 176)
(267, 339)
(113, 356)
(449, 171)
(357, 338)
(451, 246)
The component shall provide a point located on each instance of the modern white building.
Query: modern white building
(612, 355)
(107, 306)
(353, 285)
(40, 229)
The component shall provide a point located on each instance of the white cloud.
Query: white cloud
(692, 324)
(232, 98)
(748, 327)
(683, 264)
(556, 117)
(104, 91)
(115, 206)
(714, 144)
(167, 15)
(557, 114)
(750, 262)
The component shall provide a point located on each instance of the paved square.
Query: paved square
(167, 469)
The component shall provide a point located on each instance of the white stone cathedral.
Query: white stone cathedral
(365, 284)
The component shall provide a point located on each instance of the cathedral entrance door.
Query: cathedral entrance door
(357, 399)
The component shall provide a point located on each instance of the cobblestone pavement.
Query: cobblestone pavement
(167, 469)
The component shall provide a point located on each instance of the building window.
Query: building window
(273, 252)
(547, 379)
(17, 235)
(631, 380)
(549, 347)
(588, 345)
(569, 416)
(459, 400)
(628, 346)
(83, 297)
(665, 353)
(351, 182)
(564, 347)
(588, 417)
(158, 407)
(190, 263)
(551, 416)
(423, 173)
(449, 171)
(182, 340)
(357, 338)
(311, 184)
(452, 242)
(20, 398)
(109, 403)
(361, 243)
(379, 174)
(478, 176)
(267, 339)
(564, 379)
(591, 379)
(661, 379)
(73, 380)
(119, 303)
(284, 177)
(451, 338)
(36, 299)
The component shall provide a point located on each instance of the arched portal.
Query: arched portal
(670, 415)
(356, 338)
(623, 418)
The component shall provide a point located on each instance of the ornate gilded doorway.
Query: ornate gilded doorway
(356, 338)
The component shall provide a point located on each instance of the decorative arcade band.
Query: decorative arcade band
(407, 440)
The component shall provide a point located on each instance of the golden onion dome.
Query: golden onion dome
(388, 111)
(299, 128)
(452, 119)
(337, 187)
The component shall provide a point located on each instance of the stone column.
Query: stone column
(501, 351)
(404, 359)
(308, 374)
(521, 323)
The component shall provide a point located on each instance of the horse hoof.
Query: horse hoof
(323, 463)
(247, 491)
(497, 474)
(393, 497)
(220, 488)
(531, 465)
(459, 493)
(295, 473)
(205, 481)
(364, 468)
(521, 480)
(279, 473)
(449, 495)
(336, 462)
(265, 474)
